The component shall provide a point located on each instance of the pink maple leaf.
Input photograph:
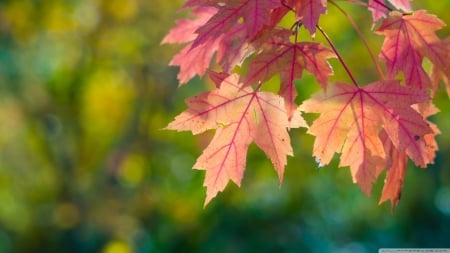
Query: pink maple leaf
(410, 38)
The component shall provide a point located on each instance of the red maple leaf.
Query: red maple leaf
(350, 121)
(240, 116)
(410, 38)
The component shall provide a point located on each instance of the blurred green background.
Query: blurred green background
(85, 167)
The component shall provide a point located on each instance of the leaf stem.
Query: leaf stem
(361, 36)
(349, 73)
(294, 28)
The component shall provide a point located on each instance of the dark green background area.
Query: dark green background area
(85, 167)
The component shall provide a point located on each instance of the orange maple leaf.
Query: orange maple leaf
(350, 122)
(240, 116)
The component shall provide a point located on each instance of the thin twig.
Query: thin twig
(349, 73)
(361, 36)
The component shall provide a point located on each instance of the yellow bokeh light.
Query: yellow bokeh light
(106, 103)
(117, 247)
(122, 10)
(132, 169)
(58, 18)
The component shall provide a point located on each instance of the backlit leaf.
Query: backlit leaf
(240, 116)
(350, 121)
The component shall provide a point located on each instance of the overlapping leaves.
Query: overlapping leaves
(374, 127)
(353, 121)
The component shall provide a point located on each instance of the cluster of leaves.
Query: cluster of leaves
(375, 126)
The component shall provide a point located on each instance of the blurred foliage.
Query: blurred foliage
(85, 167)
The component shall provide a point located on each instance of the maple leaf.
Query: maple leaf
(240, 116)
(410, 38)
(350, 121)
(289, 59)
